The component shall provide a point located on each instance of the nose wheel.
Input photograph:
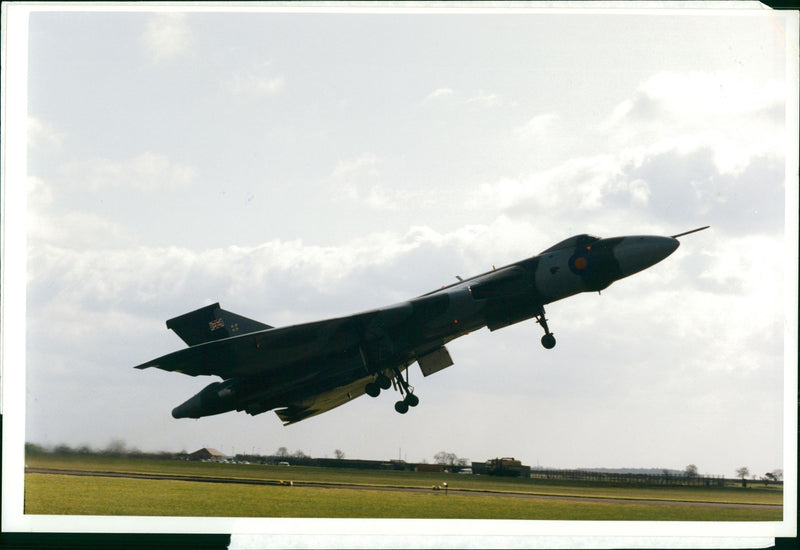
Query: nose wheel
(548, 340)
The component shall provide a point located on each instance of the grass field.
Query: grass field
(63, 494)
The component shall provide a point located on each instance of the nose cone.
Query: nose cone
(640, 252)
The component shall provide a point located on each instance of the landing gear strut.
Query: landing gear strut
(373, 389)
(548, 340)
(410, 400)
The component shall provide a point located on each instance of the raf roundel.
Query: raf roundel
(578, 263)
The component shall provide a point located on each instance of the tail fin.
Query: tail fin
(212, 323)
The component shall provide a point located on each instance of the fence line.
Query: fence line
(643, 479)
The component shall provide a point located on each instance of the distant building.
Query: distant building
(501, 466)
(206, 453)
(429, 468)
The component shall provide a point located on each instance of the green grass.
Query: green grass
(61, 494)
(347, 476)
(77, 495)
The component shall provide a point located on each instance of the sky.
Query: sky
(307, 165)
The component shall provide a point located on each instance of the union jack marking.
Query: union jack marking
(215, 324)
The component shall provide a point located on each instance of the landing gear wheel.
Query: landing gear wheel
(412, 400)
(372, 389)
(549, 341)
(384, 381)
(401, 407)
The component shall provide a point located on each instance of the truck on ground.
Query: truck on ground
(506, 466)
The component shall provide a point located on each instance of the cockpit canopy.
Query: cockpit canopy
(573, 242)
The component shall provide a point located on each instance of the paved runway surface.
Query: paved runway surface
(200, 479)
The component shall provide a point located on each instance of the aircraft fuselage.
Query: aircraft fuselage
(313, 367)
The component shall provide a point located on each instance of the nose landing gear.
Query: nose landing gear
(548, 340)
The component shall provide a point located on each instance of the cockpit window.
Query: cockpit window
(573, 242)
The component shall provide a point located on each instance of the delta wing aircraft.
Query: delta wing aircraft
(307, 369)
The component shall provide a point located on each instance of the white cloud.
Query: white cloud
(71, 229)
(364, 164)
(645, 188)
(40, 195)
(574, 187)
(440, 93)
(537, 128)
(75, 229)
(167, 36)
(665, 161)
(751, 267)
(44, 136)
(282, 275)
(484, 99)
(359, 180)
(737, 119)
(147, 171)
(703, 94)
(258, 82)
(481, 98)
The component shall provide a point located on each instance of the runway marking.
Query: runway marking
(312, 484)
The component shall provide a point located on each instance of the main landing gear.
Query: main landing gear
(382, 381)
(410, 400)
(548, 340)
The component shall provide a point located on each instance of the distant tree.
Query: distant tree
(282, 452)
(135, 451)
(462, 462)
(774, 476)
(300, 454)
(34, 449)
(447, 459)
(63, 449)
(116, 447)
(742, 473)
(339, 454)
(691, 470)
(84, 450)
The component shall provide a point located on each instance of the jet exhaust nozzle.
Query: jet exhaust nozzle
(215, 398)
